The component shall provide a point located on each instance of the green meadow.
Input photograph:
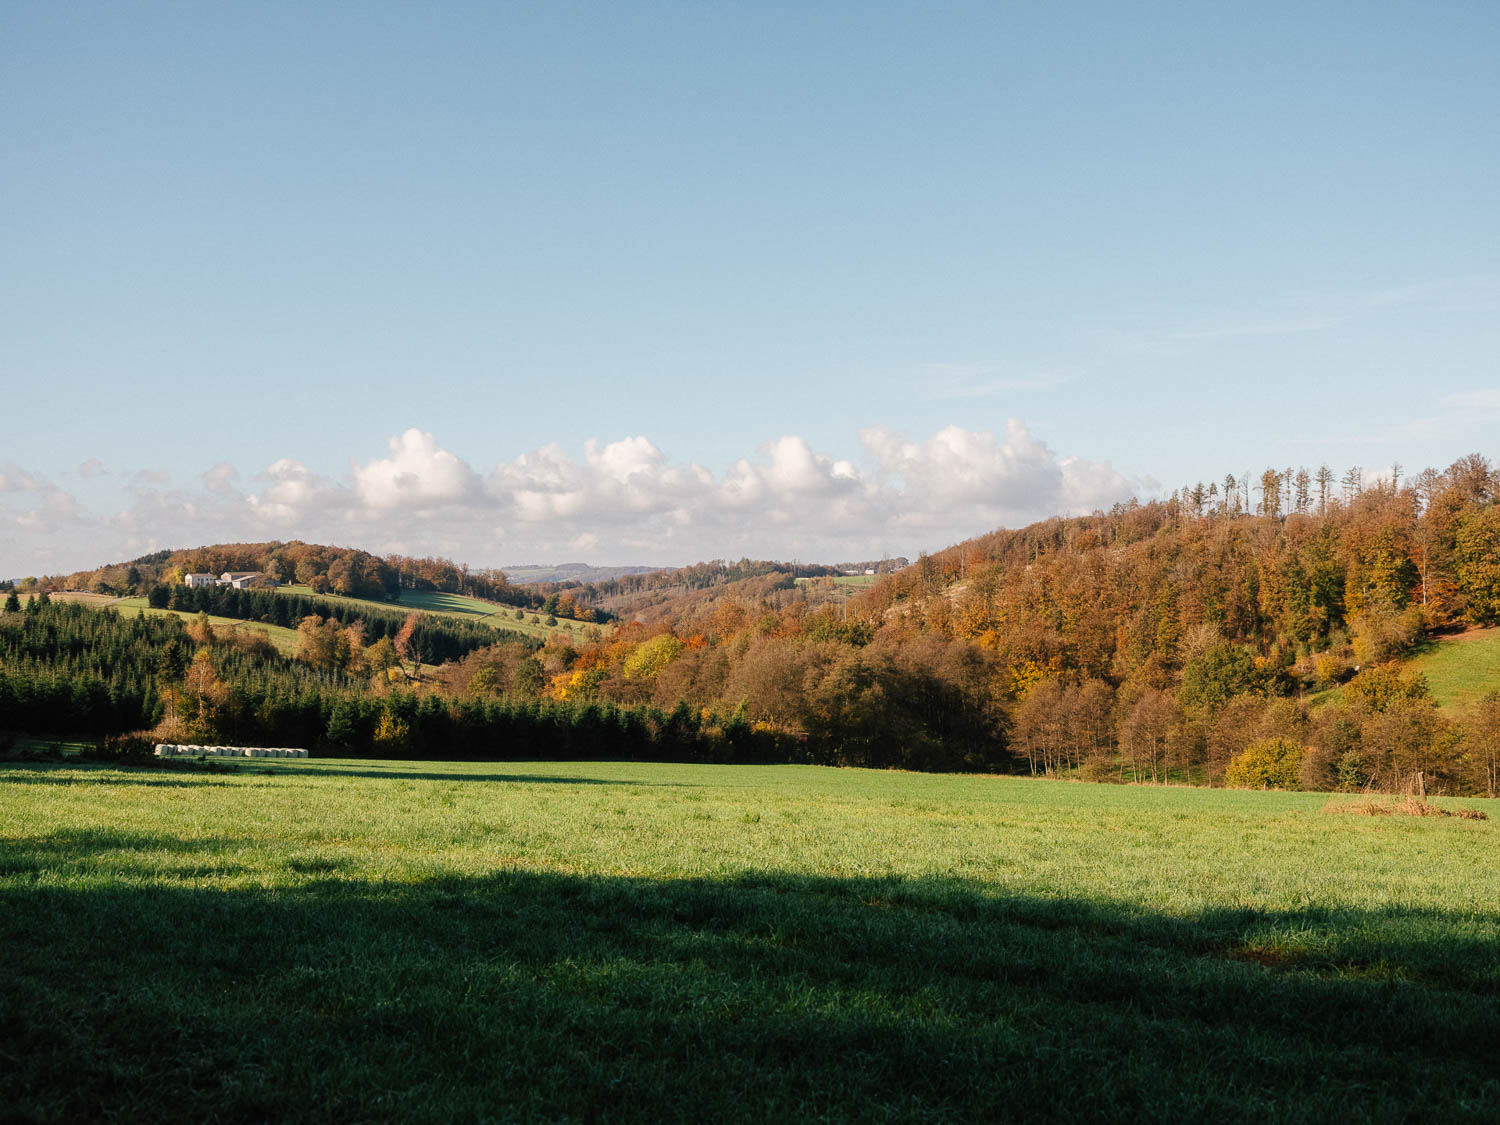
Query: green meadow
(356, 940)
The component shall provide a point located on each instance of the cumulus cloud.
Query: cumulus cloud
(417, 474)
(290, 491)
(622, 500)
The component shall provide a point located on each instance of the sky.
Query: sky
(655, 283)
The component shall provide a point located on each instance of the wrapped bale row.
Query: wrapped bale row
(177, 750)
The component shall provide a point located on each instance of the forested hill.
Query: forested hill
(1350, 577)
(325, 569)
(1159, 639)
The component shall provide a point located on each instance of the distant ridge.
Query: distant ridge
(575, 572)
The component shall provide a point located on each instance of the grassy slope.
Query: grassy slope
(457, 605)
(1460, 668)
(285, 640)
(420, 941)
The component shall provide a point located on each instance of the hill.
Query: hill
(324, 569)
(1152, 642)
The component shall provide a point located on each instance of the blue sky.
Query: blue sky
(653, 283)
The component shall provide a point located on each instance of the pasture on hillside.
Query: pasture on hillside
(531, 622)
(1460, 669)
(285, 640)
(405, 941)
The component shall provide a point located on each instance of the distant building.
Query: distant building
(239, 579)
(245, 579)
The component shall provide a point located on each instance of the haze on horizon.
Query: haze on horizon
(659, 283)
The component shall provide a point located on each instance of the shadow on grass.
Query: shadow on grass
(549, 996)
(150, 774)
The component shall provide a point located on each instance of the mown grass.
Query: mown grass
(327, 940)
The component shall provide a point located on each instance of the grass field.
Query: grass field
(340, 940)
(471, 609)
(856, 581)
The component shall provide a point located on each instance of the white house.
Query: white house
(239, 579)
(245, 579)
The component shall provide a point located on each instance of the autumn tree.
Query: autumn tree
(206, 694)
(1477, 562)
(318, 642)
(201, 630)
(407, 646)
(1147, 735)
(1481, 729)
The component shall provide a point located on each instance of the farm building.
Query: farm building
(239, 579)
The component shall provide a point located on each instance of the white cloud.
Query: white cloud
(291, 491)
(623, 500)
(417, 474)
